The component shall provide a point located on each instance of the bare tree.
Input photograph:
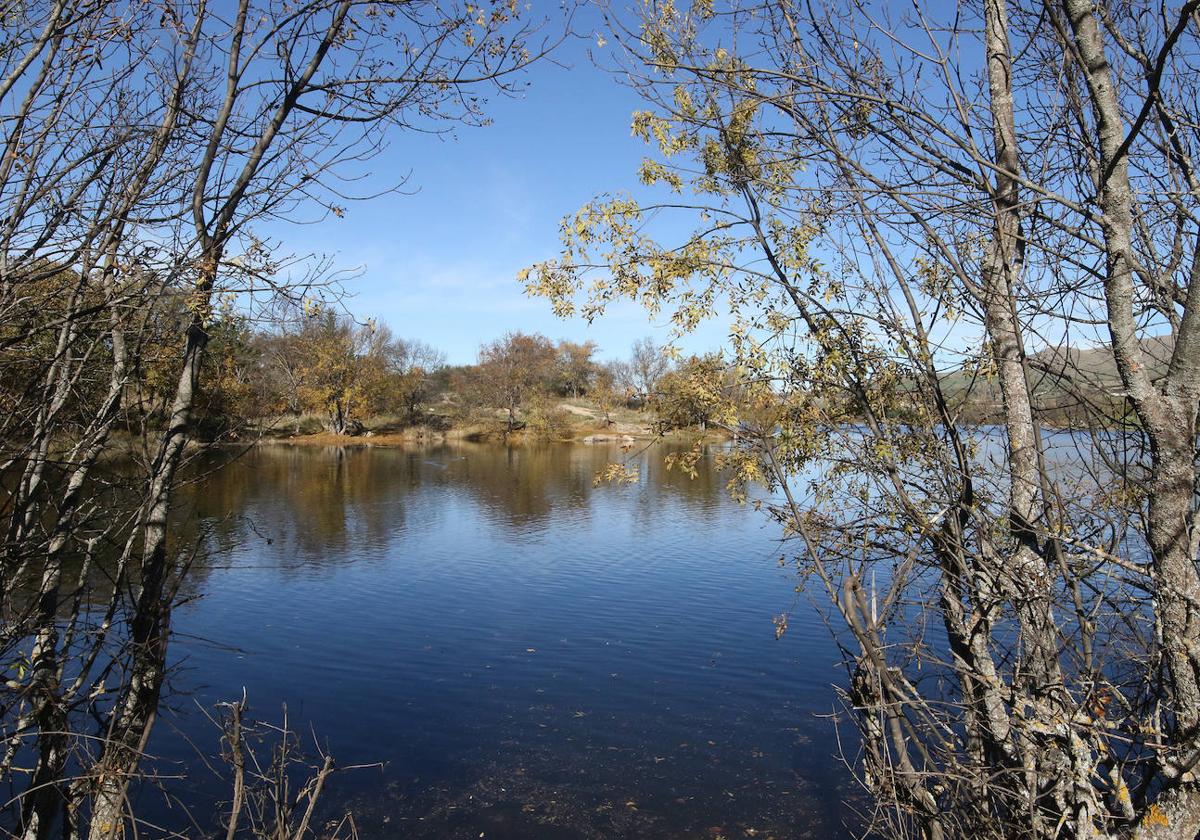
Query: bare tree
(142, 144)
(646, 366)
(413, 364)
(907, 212)
(263, 760)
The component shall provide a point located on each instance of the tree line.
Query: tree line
(321, 363)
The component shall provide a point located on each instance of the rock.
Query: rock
(608, 439)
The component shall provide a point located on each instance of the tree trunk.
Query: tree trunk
(337, 419)
(1170, 421)
(137, 706)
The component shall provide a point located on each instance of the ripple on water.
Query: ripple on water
(531, 656)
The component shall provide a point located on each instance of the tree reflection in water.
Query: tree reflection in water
(531, 654)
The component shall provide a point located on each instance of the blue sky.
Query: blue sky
(440, 264)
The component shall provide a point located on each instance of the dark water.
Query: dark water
(529, 655)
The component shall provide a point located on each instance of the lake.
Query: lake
(526, 654)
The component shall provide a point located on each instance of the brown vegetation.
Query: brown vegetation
(141, 148)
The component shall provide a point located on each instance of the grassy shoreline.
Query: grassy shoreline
(420, 436)
(569, 421)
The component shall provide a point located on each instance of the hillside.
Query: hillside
(1070, 385)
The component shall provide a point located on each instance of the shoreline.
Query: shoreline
(585, 434)
(400, 439)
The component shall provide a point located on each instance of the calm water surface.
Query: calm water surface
(528, 655)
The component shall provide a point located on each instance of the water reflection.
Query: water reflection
(531, 655)
(319, 501)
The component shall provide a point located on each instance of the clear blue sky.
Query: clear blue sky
(440, 265)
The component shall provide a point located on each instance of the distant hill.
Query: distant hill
(1070, 385)
(1097, 367)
